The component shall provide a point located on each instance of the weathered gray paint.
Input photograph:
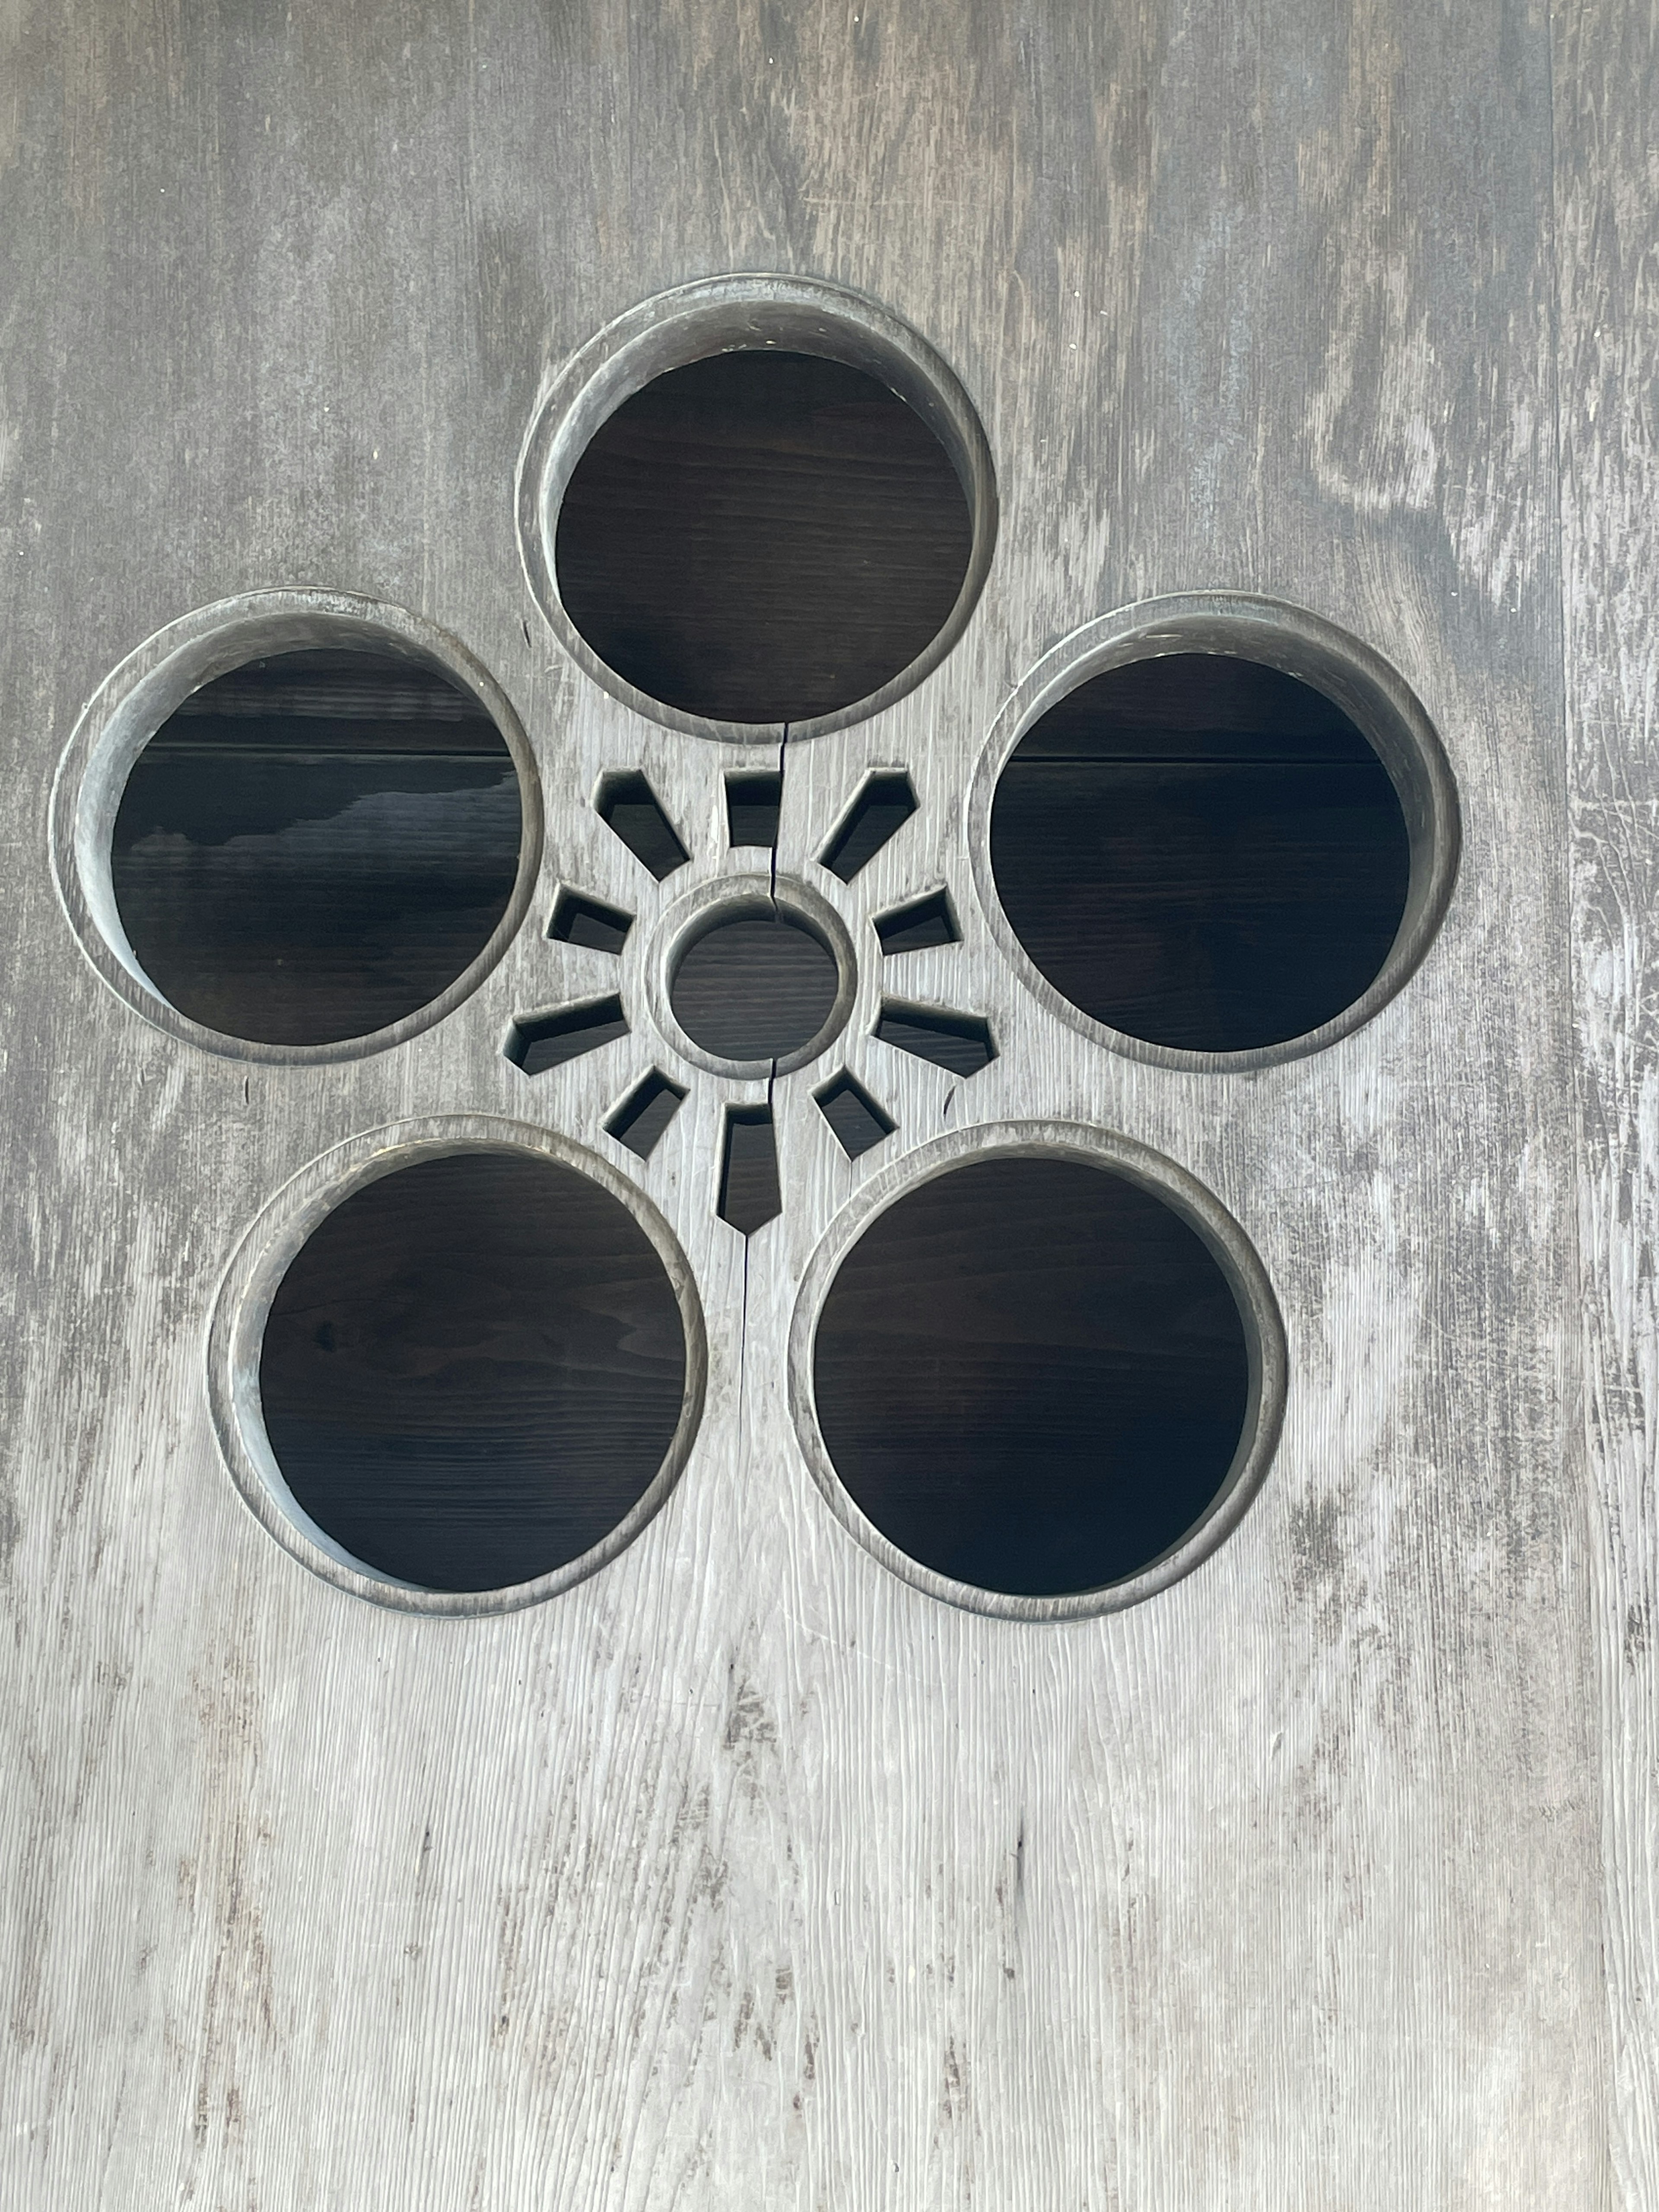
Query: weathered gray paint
(743, 1873)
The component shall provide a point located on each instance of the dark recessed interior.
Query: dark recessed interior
(645, 1114)
(859, 1123)
(923, 922)
(578, 919)
(961, 1043)
(884, 804)
(631, 811)
(750, 1196)
(536, 1042)
(473, 1370)
(1031, 1375)
(1202, 852)
(762, 537)
(316, 845)
(753, 803)
(755, 986)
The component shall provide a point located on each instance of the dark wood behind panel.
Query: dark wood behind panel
(762, 538)
(473, 1370)
(1202, 852)
(316, 845)
(1031, 1375)
(754, 988)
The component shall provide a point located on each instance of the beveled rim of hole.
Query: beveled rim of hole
(741, 898)
(749, 313)
(131, 705)
(1343, 669)
(1228, 1245)
(248, 1290)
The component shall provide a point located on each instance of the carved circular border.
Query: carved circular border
(131, 704)
(723, 898)
(1372, 693)
(746, 311)
(250, 1284)
(1264, 1332)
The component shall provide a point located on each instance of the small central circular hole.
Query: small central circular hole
(755, 986)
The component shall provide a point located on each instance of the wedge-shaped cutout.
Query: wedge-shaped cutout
(752, 805)
(646, 1111)
(962, 1042)
(749, 1197)
(627, 805)
(858, 1123)
(881, 808)
(536, 1042)
(579, 919)
(922, 922)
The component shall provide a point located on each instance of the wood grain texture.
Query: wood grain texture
(762, 538)
(1607, 217)
(316, 845)
(1202, 852)
(472, 1370)
(745, 1874)
(1032, 1377)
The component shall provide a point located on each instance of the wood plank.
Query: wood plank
(745, 1873)
(1606, 77)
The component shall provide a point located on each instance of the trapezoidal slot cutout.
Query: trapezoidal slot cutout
(472, 1371)
(757, 503)
(1036, 1376)
(1232, 836)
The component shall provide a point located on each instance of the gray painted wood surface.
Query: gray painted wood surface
(744, 1873)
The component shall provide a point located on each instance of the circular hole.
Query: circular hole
(1202, 852)
(473, 1370)
(316, 845)
(762, 536)
(755, 986)
(1032, 1376)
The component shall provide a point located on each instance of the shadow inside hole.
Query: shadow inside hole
(643, 1116)
(578, 919)
(473, 1370)
(631, 811)
(1031, 1375)
(755, 987)
(753, 803)
(1202, 852)
(536, 1042)
(316, 845)
(961, 1043)
(859, 1123)
(881, 808)
(762, 537)
(750, 1196)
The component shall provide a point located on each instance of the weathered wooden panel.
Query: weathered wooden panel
(744, 1873)
(1608, 217)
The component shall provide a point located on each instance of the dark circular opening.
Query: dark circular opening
(1032, 1376)
(473, 1370)
(762, 537)
(754, 988)
(1202, 852)
(316, 845)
